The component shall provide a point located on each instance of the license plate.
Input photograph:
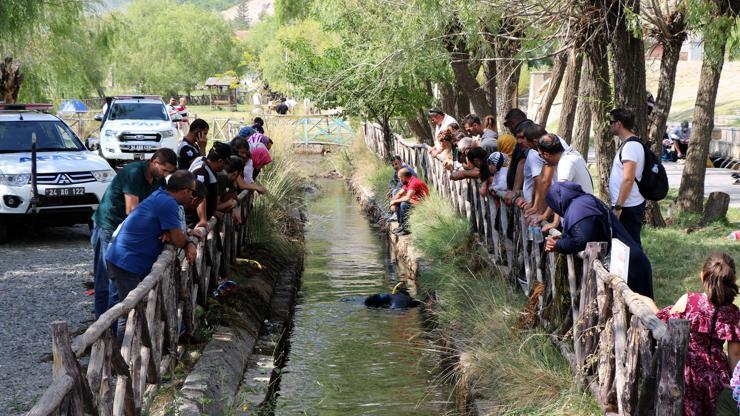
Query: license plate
(64, 191)
(138, 156)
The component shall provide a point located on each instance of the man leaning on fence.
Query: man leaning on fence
(129, 188)
(141, 237)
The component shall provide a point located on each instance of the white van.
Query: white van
(134, 127)
(60, 182)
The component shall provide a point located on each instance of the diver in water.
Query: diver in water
(399, 298)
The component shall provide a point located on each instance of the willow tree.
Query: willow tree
(715, 19)
(59, 45)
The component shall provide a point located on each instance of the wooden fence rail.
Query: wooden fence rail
(158, 310)
(613, 340)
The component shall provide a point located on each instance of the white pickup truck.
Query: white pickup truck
(47, 176)
(134, 127)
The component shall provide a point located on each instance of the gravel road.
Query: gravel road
(42, 279)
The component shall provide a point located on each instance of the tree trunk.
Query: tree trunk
(716, 208)
(387, 137)
(467, 84)
(601, 97)
(556, 77)
(570, 94)
(582, 133)
(629, 64)
(659, 116)
(420, 127)
(666, 82)
(462, 104)
(507, 77)
(447, 99)
(11, 78)
(489, 73)
(691, 191)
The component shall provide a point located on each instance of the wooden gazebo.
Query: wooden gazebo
(222, 92)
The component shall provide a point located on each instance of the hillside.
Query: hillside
(255, 9)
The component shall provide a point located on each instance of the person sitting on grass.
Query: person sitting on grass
(585, 219)
(713, 320)
(413, 191)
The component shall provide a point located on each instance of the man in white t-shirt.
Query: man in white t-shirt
(533, 166)
(627, 202)
(569, 166)
(440, 121)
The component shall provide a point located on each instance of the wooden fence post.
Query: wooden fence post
(671, 382)
(584, 335)
(65, 362)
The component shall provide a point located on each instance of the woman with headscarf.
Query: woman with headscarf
(586, 219)
(260, 157)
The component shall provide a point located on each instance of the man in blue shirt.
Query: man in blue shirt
(141, 237)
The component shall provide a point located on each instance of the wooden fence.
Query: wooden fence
(629, 359)
(158, 310)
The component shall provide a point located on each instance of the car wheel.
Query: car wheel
(3, 232)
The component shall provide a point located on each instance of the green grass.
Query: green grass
(521, 372)
(676, 256)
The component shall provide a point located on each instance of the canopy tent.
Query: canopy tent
(73, 106)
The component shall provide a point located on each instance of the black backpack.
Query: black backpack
(654, 183)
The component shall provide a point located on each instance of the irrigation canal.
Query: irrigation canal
(345, 358)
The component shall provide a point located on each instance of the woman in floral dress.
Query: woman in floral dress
(713, 319)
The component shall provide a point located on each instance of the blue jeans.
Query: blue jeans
(125, 281)
(104, 290)
(402, 211)
(631, 219)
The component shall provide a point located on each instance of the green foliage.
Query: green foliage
(287, 11)
(275, 56)
(60, 45)
(717, 26)
(214, 5)
(437, 230)
(157, 55)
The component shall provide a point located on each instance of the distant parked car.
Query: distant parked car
(134, 127)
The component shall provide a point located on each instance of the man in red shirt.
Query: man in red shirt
(413, 191)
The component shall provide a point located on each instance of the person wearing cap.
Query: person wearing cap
(246, 131)
(193, 145)
(141, 237)
(498, 166)
(205, 170)
(440, 121)
(487, 136)
(680, 136)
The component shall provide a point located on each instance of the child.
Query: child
(714, 319)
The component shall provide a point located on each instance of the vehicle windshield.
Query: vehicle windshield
(16, 136)
(138, 111)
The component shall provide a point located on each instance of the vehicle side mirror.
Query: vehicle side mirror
(176, 117)
(99, 117)
(92, 144)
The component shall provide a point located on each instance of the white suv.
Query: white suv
(60, 182)
(134, 127)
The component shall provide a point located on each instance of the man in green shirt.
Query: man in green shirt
(129, 188)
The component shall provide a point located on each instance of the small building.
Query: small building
(222, 92)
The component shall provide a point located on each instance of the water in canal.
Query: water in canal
(344, 358)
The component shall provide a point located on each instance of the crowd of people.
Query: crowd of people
(550, 182)
(170, 199)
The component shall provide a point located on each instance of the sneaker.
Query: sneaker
(401, 231)
(391, 217)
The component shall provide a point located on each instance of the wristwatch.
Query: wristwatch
(617, 207)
